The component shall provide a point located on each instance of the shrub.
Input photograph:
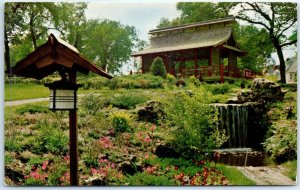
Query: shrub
(192, 122)
(32, 109)
(219, 88)
(120, 122)
(158, 68)
(128, 101)
(113, 84)
(282, 145)
(50, 139)
(92, 103)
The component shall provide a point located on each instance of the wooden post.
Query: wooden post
(73, 132)
(143, 62)
(195, 63)
(222, 73)
(210, 62)
(181, 64)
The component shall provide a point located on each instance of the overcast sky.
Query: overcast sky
(143, 16)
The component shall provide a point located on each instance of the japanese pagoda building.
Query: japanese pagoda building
(206, 50)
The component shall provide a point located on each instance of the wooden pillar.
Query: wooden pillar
(181, 63)
(210, 61)
(73, 132)
(221, 65)
(143, 62)
(195, 63)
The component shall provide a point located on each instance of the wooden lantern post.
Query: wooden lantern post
(58, 55)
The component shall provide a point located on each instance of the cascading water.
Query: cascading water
(233, 118)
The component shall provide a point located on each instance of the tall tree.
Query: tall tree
(23, 21)
(277, 18)
(257, 44)
(71, 23)
(109, 43)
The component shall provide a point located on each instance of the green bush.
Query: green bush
(219, 88)
(92, 103)
(13, 145)
(113, 84)
(158, 68)
(32, 109)
(120, 122)
(51, 138)
(282, 144)
(127, 101)
(148, 179)
(193, 123)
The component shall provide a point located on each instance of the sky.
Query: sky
(144, 16)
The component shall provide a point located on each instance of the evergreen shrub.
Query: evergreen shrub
(158, 68)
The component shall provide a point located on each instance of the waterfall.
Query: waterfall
(233, 118)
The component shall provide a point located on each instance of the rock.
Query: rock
(151, 112)
(166, 150)
(128, 168)
(262, 90)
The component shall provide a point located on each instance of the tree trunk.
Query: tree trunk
(281, 60)
(7, 54)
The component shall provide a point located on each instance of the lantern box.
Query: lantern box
(63, 95)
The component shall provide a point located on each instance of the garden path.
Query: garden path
(20, 102)
(266, 175)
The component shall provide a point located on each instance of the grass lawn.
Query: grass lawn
(25, 91)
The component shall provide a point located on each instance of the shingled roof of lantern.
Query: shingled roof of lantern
(55, 55)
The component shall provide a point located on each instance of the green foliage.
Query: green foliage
(148, 179)
(191, 121)
(50, 139)
(257, 44)
(127, 101)
(113, 84)
(92, 103)
(93, 82)
(13, 145)
(32, 109)
(121, 121)
(158, 68)
(219, 88)
(291, 171)
(235, 176)
(117, 41)
(282, 145)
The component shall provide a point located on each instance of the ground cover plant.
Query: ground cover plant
(116, 145)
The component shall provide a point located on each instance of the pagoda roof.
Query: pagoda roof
(196, 35)
(54, 55)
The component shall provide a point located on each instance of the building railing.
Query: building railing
(221, 70)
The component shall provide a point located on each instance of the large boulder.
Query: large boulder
(152, 111)
(262, 90)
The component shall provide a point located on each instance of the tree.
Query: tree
(71, 23)
(197, 12)
(277, 19)
(109, 43)
(158, 68)
(26, 22)
(257, 44)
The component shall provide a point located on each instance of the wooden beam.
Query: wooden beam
(61, 60)
(195, 62)
(210, 61)
(48, 60)
(33, 57)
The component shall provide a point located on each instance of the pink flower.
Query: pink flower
(152, 128)
(147, 140)
(94, 171)
(146, 155)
